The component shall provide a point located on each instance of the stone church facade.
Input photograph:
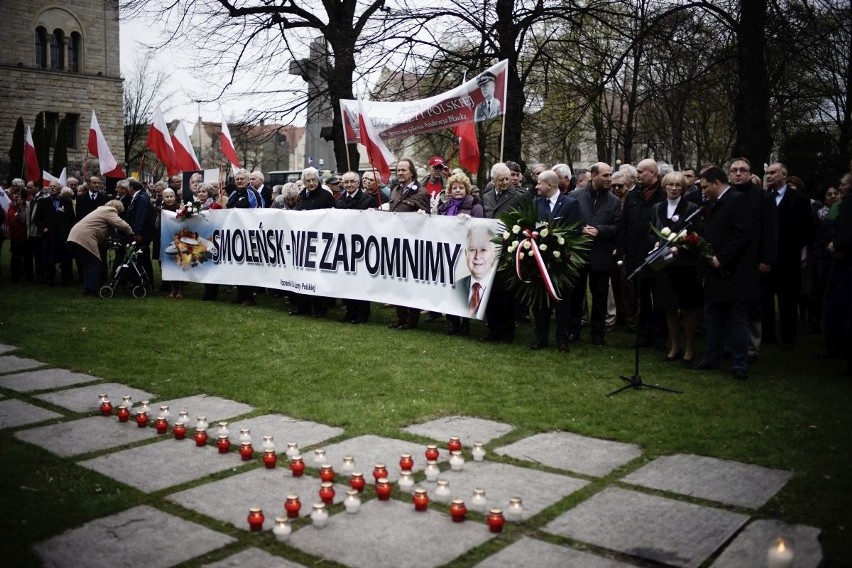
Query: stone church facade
(61, 58)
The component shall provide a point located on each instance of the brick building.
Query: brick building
(61, 58)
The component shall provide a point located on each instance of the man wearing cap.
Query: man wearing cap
(333, 184)
(490, 106)
(434, 182)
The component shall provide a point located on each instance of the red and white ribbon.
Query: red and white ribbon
(531, 236)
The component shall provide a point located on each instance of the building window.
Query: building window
(72, 127)
(75, 48)
(57, 51)
(41, 47)
(51, 121)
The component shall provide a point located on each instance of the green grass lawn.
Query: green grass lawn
(793, 413)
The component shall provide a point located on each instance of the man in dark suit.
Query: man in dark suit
(140, 217)
(353, 197)
(796, 229)
(91, 199)
(599, 213)
(54, 217)
(555, 208)
(731, 280)
(501, 309)
(264, 191)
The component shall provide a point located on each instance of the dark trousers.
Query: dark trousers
(91, 266)
(55, 252)
(409, 316)
(719, 316)
(18, 261)
(357, 311)
(652, 321)
(501, 310)
(837, 319)
(787, 291)
(36, 246)
(598, 283)
(622, 291)
(542, 321)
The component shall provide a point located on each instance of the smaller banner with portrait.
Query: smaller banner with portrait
(442, 264)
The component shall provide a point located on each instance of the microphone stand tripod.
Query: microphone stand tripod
(660, 255)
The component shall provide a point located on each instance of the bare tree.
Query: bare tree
(144, 90)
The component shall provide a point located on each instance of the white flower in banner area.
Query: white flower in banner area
(520, 255)
(506, 235)
(561, 241)
(666, 231)
(516, 229)
(556, 254)
(526, 244)
(681, 235)
(544, 233)
(542, 247)
(512, 247)
(540, 224)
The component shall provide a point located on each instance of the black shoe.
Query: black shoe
(687, 363)
(433, 317)
(701, 366)
(739, 375)
(396, 325)
(676, 356)
(492, 338)
(405, 326)
(536, 345)
(347, 318)
(564, 347)
(599, 341)
(454, 330)
(358, 321)
(320, 314)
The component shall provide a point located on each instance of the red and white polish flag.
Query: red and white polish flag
(185, 159)
(160, 142)
(31, 158)
(378, 154)
(228, 145)
(99, 149)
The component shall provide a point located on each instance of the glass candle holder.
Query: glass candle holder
(442, 491)
(326, 492)
(458, 511)
(383, 489)
(380, 471)
(223, 444)
(348, 465)
(200, 422)
(454, 445)
(297, 466)
(223, 429)
(127, 401)
(496, 520)
(478, 451)
(106, 407)
(357, 481)
(161, 424)
(432, 472)
(292, 505)
(123, 413)
(406, 462)
(420, 499)
(183, 417)
(102, 398)
(141, 419)
(352, 502)
(479, 502)
(406, 481)
(164, 411)
(145, 406)
(326, 472)
(270, 460)
(245, 436)
(456, 460)
(268, 444)
(282, 529)
(432, 452)
(179, 431)
(515, 512)
(319, 456)
(780, 553)
(246, 452)
(200, 438)
(292, 449)
(255, 519)
(319, 516)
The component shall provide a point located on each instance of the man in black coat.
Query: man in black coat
(54, 217)
(731, 280)
(796, 230)
(311, 198)
(353, 197)
(555, 208)
(599, 214)
(140, 217)
(633, 230)
(91, 199)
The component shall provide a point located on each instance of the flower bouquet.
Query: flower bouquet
(187, 209)
(689, 241)
(540, 261)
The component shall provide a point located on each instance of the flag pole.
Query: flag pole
(502, 134)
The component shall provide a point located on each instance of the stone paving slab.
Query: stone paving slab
(284, 429)
(212, 407)
(469, 429)
(14, 413)
(230, 499)
(164, 464)
(141, 536)
(44, 379)
(85, 399)
(647, 526)
(501, 482)
(390, 534)
(6, 348)
(11, 363)
(369, 450)
(751, 545)
(253, 558)
(91, 434)
(572, 452)
(724, 481)
(546, 555)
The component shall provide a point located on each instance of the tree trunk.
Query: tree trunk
(507, 37)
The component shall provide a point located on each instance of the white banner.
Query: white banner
(481, 98)
(406, 259)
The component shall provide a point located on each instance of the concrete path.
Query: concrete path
(676, 510)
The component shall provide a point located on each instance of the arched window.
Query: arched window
(41, 47)
(75, 48)
(57, 50)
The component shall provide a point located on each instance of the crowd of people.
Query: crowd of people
(773, 260)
